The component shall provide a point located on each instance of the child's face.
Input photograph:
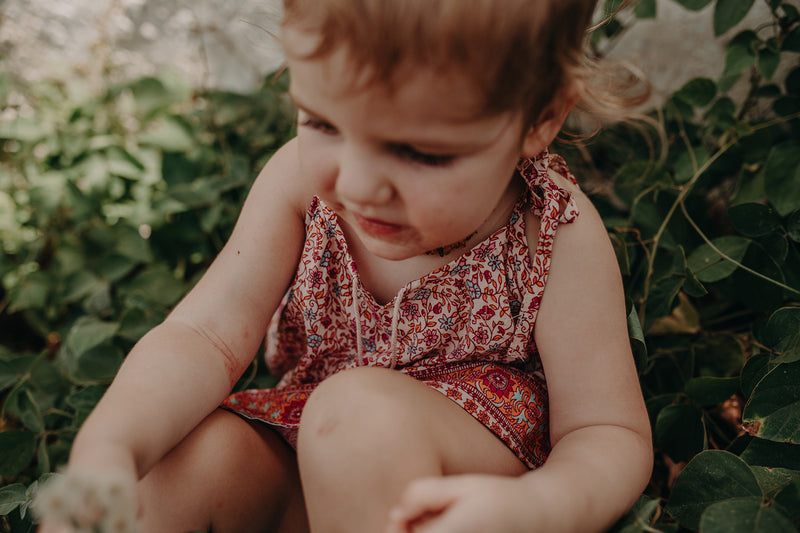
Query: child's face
(409, 170)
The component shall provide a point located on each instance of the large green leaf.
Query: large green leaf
(788, 500)
(707, 390)
(709, 266)
(11, 497)
(88, 333)
(16, 451)
(680, 432)
(782, 334)
(698, 92)
(782, 177)
(753, 219)
(748, 515)
(711, 477)
(728, 13)
(774, 480)
(774, 407)
(771, 454)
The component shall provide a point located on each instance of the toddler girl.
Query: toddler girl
(449, 325)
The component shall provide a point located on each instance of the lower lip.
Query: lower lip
(377, 227)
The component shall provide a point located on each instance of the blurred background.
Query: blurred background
(228, 44)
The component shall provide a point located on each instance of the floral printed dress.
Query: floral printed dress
(465, 329)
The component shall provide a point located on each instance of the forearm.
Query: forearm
(592, 476)
(169, 382)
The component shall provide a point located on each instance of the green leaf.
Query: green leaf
(709, 266)
(782, 177)
(88, 333)
(792, 41)
(11, 497)
(712, 476)
(680, 432)
(788, 500)
(685, 166)
(753, 219)
(791, 12)
(100, 364)
(698, 92)
(694, 5)
(772, 454)
(768, 61)
(157, 285)
(744, 516)
(78, 286)
(130, 244)
(150, 94)
(774, 480)
(645, 9)
(774, 407)
(782, 334)
(723, 113)
(21, 404)
(638, 518)
(86, 398)
(638, 345)
(16, 451)
(136, 322)
(30, 293)
(756, 367)
(168, 133)
(793, 82)
(728, 13)
(707, 390)
(740, 53)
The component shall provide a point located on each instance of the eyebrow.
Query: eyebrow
(422, 144)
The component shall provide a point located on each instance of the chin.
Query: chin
(393, 252)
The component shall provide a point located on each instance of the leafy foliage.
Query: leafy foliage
(708, 244)
(112, 205)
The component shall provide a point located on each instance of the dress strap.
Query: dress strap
(553, 206)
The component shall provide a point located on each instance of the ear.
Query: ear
(545, 130)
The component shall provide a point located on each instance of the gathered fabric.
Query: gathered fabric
(464, 329)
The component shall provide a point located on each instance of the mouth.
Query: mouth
(377, 227)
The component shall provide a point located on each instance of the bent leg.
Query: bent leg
(228, 475)
(366, 433)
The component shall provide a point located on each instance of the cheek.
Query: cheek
(316, 164)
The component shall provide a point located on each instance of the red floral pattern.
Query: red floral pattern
(465, 329)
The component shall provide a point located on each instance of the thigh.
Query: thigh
(228, 474)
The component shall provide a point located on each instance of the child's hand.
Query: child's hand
(463, 504)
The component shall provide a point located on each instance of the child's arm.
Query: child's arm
(182, 369)
(602, 452)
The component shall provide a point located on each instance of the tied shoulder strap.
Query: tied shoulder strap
(554, 206)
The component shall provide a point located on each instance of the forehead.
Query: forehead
(446, 92)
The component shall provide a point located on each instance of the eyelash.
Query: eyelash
(402, 151)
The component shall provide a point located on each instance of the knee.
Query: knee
(361, 403)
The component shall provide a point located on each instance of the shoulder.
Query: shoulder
(281, 179)
(584, 285)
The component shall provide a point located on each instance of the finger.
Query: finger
(423, 498)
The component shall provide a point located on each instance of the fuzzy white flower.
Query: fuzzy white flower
(89, 502)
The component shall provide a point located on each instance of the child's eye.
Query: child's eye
(433, 160)
(319, 125)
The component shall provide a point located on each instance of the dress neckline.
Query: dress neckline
(517, 216)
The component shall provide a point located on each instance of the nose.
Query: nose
(361, 180)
